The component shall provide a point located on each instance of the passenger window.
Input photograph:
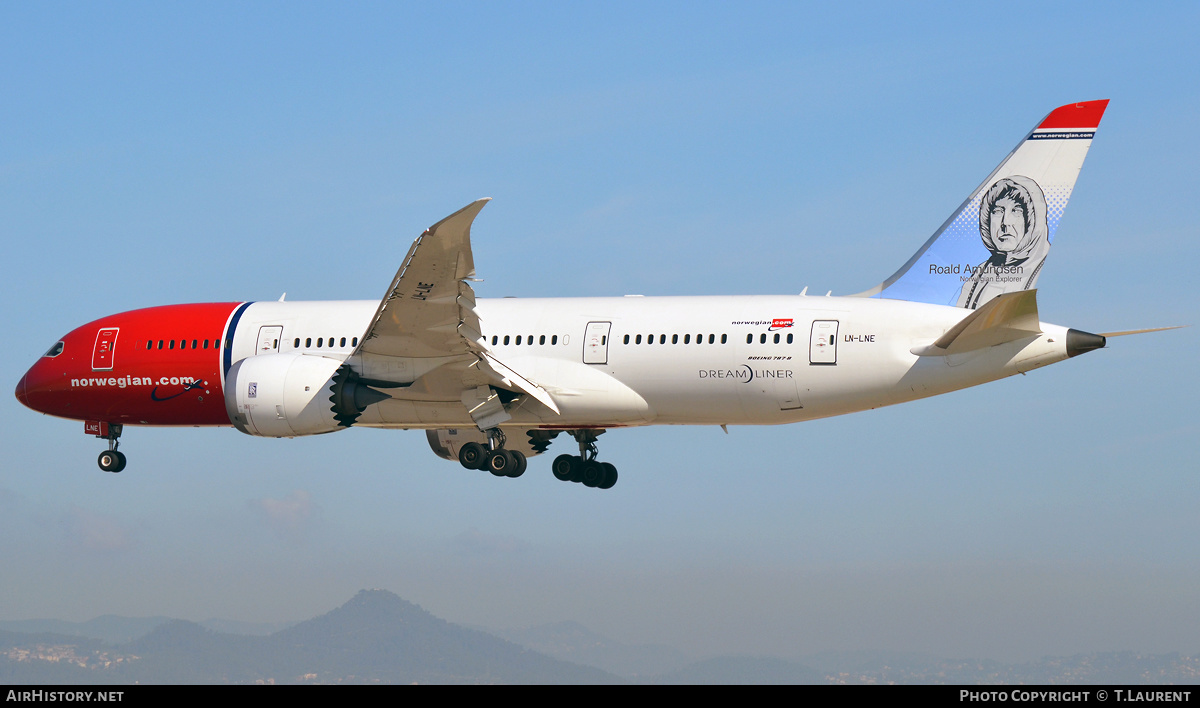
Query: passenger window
(777, 338)
(749, 339)
(789, 338)
(542, 339)
(687, 339)
(343, 341)
(518, 339)
(354, 342)
(170, 344)
(712, 338)
(627, 339)
(506, 340)
(149, 344)
(554, 339)
(495, 340)
(725, 337)
(638, 340)
(762, 338)
(307, 342)
(296, 344)
(674, 339)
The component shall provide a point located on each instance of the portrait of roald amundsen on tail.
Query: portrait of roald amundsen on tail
(1012, 224)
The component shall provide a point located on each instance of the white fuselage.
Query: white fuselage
(612, 362)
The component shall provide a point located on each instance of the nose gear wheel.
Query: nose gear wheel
(112, 459)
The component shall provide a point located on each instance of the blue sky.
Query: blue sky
(155, 154)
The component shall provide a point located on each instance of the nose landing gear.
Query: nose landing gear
(112, 459)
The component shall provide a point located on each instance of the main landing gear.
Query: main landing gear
(494, 458)
(111, 460)
(584, 467)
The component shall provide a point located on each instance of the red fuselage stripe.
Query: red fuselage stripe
(157, 366)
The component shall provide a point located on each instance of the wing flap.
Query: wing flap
(512, 379)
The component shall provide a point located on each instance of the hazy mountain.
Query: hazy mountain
(113, 629)
(48, 658)
(376, 637)
(116, 629)
(256, 629)
(571, 641)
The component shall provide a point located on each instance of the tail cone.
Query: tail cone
(1080, 342)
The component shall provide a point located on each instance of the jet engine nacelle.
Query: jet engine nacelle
(286, 395)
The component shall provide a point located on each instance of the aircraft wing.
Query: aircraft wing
(429, 309)
(424, 340)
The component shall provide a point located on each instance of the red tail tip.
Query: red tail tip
(1075, 115)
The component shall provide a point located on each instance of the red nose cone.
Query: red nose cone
(21, 395)
(33, 389)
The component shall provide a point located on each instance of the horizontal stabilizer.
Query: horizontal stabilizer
(1140, 331)
(1005, 318)
(1079, 342)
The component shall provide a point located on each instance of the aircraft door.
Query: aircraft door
(102, 354)
(822, 343)
(595, 343)
(268, 339)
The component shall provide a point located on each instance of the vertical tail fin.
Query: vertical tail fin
(997, 241)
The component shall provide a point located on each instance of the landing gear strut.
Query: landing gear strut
(112, 459)
(584, 467)
(494, 458)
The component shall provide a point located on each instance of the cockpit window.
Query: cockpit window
(55, 350)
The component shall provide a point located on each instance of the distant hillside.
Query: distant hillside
(571, 641)
(116, 629)
(113, 629)
(376, 637)
(48, 658)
